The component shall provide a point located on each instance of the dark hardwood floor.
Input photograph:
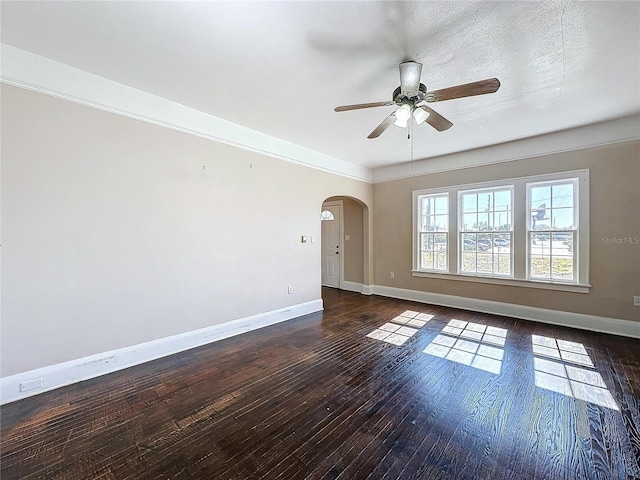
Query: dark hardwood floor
(456, 395)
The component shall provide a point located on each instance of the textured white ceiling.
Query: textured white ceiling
(281, 67)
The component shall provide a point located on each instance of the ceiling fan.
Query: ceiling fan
(411, 98)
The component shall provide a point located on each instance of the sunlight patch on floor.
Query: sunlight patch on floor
(555, 373)
(466, 343)
(401, 328)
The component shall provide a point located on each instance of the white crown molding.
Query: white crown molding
(615, 326)
(604, 133)
(43, 75)
(55, 376)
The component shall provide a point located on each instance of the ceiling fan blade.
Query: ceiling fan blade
(491, 85)
(345, 108)
(383, 126)
(410, 78)
(436, 120)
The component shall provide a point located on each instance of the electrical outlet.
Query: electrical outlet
(290, 289)
(392, 275)
(636, 300)
(31, 384)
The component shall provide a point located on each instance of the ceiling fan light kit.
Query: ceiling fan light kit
(420, 115)
(403, 114)
(412, 96)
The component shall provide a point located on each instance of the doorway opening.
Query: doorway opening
(344, 248)
(331, 244)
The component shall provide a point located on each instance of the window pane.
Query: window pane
(502, 220)
(469, 221)
(502, 264)
(433, 251)
(326, 215)
(540, 266)
(484, 221)
(441, 223)
(469, 202)
(442, 205)
(427, 241)
(567, 241)
(562, 268)
(426, 251)
(503, 200)
(468, 262)
(540, 242)
(434, 214)
(469, 241)
(427, 260)
(540, 195)
(485, 263)
(484, 241)
(440, 240)
(485, 202)
(562, 219)
(539, 217)
(427, 206)
(562, 195)
(502, 242)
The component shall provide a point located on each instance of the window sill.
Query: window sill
(565, 287)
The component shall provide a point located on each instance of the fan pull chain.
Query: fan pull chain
(410, 138)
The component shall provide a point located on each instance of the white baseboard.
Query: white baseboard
(352, 286)
(368, 289)
(55, 376)
(593, 323)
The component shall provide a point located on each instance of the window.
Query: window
(551, 230)
(528, 231)
(326, 215)
(486, 231)
(434, 225)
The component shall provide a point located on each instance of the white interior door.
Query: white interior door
(331, 234)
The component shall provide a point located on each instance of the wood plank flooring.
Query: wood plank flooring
(466, 396)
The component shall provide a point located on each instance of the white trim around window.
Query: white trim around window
(563, 220)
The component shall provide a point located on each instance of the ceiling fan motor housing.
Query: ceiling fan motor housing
(400, 98)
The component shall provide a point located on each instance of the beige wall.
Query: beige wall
(117, 232)
(614, 213)
(353, 248)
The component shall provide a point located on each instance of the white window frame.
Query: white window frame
(553, 231)
(419, 214)
(520, 245)
(461, 232)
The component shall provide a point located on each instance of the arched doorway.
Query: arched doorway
(344, 243)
